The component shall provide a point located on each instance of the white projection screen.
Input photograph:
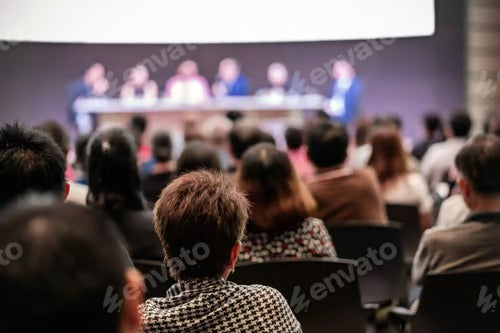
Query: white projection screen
(212, 21)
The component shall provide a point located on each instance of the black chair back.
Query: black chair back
(411, 232)
(156, 277)
(463, 302)
(323, 293)
(384, 278)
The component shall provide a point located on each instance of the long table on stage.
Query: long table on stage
(272, 114)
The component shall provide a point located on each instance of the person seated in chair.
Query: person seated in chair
(342, 193)
(66, 269)
(472, 245)
(21, 147)
(114, 187)
(200, 219)
(280, 224)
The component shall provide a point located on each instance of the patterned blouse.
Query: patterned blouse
(307, 239)
(216, 305)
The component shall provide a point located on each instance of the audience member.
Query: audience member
(216, 131)
(80, 165)
(202, 213)
(60, 137)
(399, 185)
(115, 188)
(243, 136)
(162, 167)
(472, 245)
(360, 154)
(453, 211)
(438, 159)
(297, 152)
(229, 80)
(433, 128)
(343, 194)
(187, 86)
(139, 85)
(138, 126)
(30, 161)
(281, 207)
(198, 155)
(77, 192)
(65, 260)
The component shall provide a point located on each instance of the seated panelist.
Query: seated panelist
(139, 85)
(187, 86)
(229, 80)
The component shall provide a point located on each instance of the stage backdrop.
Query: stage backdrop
(405, 76)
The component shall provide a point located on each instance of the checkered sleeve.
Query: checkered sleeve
(274, 311)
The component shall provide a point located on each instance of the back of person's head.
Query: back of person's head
(138, 125)
(362, 128)
(114, 182)
(278, 197)
(61, 262)
(327, 143)
(293, 137)
(433, 125)
(244, 136)
(460, 124)
(29, 161)
(198, 155)
(202, 213)
(161, 144)
(81, 150)
(388, 157)
(57, 133)
(478, 162)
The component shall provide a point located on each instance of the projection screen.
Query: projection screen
(213, 21)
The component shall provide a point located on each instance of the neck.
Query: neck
(488, 204)
(330, 168)
(162, 167)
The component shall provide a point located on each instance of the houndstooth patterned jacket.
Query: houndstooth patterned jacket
(218, 306)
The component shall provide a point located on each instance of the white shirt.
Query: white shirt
(409, 189)
(439, 159)
(453, 212)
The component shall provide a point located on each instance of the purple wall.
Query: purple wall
(406, 77)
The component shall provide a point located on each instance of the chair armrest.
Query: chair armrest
(401, 314)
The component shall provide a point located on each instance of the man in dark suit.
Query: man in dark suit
(473, 245)
(345, 93)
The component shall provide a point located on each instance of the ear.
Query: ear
(133, 296)
(66, 190)
(235, 252)
(464, 186)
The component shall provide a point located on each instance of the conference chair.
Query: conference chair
(462, 302)
(323, 293)
(411, 232)
(384, 278)
(157, 279)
